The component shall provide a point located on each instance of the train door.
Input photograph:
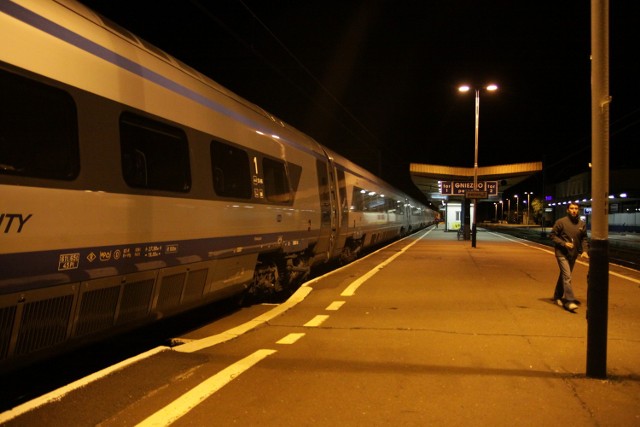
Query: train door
(342, 206)
(408, 211)
(328, 215)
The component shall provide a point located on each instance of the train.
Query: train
(134, 188)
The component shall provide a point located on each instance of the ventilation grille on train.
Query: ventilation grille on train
(136, 297)
(7, 319)
(194, 288)
(171, 291)
(44, 324)
(50, 317)
(181, 288)
(97, 309)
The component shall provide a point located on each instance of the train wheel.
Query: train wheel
(266, 282)
(350, 252)
(298, 272)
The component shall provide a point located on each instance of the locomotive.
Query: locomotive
(134, 188)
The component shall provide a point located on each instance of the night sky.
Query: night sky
(377, 80)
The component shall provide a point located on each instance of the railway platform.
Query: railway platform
(427, 331)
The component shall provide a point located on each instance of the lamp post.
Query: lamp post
(508, 209)
(529, 193)
(466, 88)
(495, 215)
(501, 203)
(517, 199)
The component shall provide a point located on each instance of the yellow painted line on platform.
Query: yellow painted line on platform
(622, 276)
(232, 333)
(316, 321)
(579, 261)
(353, 286)
(185, 403)
(335, 305)
(83, 382)
(290, 339)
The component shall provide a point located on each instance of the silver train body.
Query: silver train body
(133, 188)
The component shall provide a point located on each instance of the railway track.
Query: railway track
(622, 250)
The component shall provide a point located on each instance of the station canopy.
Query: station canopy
(428, 178)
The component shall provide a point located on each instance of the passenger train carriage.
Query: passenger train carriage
(133, 187)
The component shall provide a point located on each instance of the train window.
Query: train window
(276, 184)
(231, 171)
(154, 155)
(374, 203)
(367, 201)
(295, 172)
(342, 192)
(391, 205)
(324, 189)
(357, 199)
(38, 130)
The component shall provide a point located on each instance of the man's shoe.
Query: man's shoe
(559, 302)
(571, 306)
(575, 301)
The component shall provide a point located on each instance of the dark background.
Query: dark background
(377, 80)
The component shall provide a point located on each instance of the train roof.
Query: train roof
(121, 32)
(67, 20)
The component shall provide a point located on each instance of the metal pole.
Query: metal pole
(598, 278)
(543, 199)
(475, 171)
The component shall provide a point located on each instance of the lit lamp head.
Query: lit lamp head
(490, 87)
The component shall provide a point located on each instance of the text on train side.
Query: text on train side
(13, 222)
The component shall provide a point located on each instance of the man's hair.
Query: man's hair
(573, 203)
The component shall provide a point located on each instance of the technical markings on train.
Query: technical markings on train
(13, 222)
(153, 251)
(68, 261)
(105, 256)
(316, 321)
(336, 305)
(291, 338)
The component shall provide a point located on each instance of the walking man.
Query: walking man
(569, 235)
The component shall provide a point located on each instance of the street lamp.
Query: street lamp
(501, 203)
(466, 88)
(517, 199)
(528, 204)
(508, 209)
(495, 216)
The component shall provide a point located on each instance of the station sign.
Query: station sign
(461, 188)
(469, 194)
